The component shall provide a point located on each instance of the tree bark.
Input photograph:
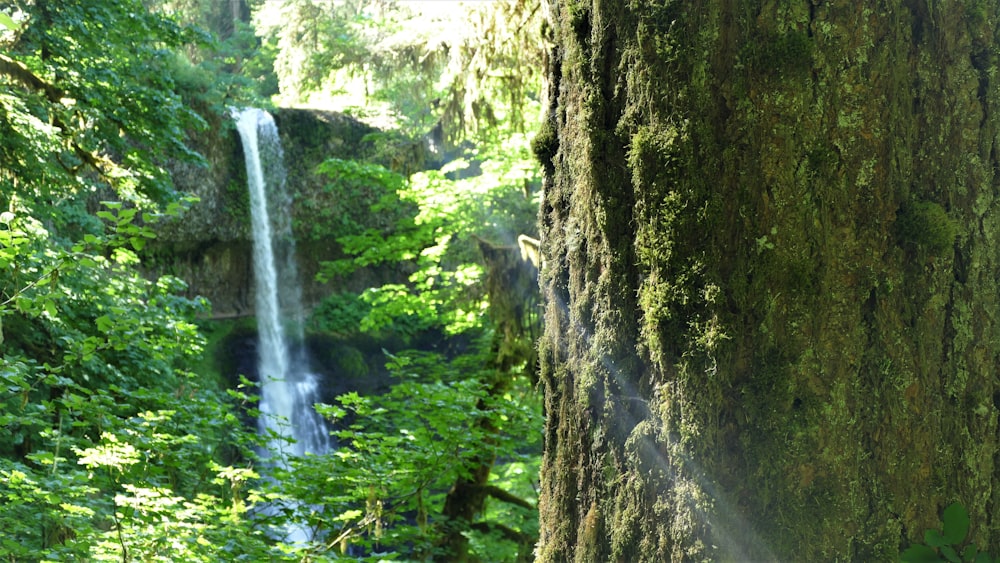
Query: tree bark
(770, 236)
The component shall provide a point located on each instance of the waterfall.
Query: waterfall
(288, 389)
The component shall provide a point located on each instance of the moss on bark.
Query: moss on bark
(770, 270)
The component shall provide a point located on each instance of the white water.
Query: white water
(288, 389)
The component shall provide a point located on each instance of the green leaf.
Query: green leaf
(125, 216)
(7, 21)
(137, 242)
(50, 308)
(950, 554)
(23, 304)
(984, 557)
(934, 538)
(956, 523)
(970, 552)
(919, 553)
(14, 547)
(103, 323)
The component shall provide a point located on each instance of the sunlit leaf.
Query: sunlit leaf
(50, 308)
(7, 21)
(104, 323)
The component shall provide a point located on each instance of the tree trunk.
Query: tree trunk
(512, 286)
(770, 236)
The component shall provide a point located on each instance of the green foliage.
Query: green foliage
(947, 544)
(227, 66)
(111, 446)
(466, 68)
(439, 240)
(194, 83)
(7, 21)
(311, 39)
(98, 72)
(339, 314)
(452, 434)
(402, 452)
(373, 195)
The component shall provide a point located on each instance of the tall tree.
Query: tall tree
(770, 236)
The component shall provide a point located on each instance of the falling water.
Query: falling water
(288, 388)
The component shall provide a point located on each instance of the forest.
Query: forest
(130, 422)
(507, 280)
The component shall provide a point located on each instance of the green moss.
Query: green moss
(927, 225)
(237, 204)
(545, 144)
(214, 361)
(591, 535)
(779, 55)
(350, 362)
(822, 159)
(579, 19)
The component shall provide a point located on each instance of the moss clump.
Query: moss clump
(237, 203)
(350, 362)
(822, 159)
(545, 144)
(780, 55)
(579, 19)
(221, 358)
(927, 225)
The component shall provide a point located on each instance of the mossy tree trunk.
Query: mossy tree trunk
(771, 236)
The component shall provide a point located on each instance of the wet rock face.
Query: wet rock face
(341, 365)
(210, 245)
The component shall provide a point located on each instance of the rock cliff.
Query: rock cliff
(210, 246)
